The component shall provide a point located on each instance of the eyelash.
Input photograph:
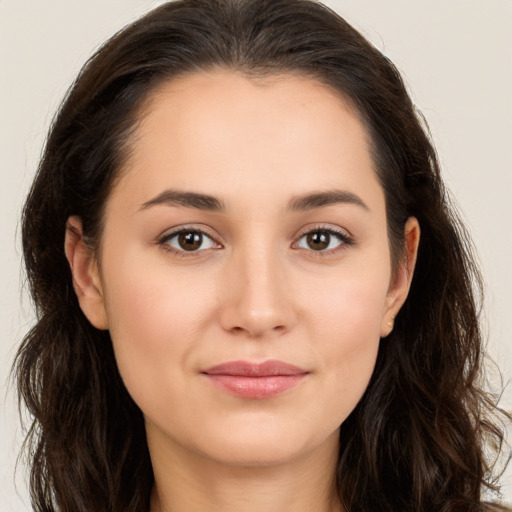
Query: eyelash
(163, 241)
(344, 239)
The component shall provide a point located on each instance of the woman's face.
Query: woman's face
(246, 323)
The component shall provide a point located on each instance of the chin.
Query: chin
(265, 445)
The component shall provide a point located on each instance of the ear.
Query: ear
(402, 278)
(86, 277)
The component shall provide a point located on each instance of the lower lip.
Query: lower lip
(256, 387)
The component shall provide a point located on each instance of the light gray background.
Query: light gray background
(456, 56)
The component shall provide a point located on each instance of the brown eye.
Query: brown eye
(318, 240)
(188, 241)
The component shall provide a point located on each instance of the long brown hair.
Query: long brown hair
(417, 439)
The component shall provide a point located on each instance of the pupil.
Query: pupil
(318, 240)
(190, 241)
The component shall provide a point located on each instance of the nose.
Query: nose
(256, 297)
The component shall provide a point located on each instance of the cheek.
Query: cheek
(346, 321)
(347, 307)
(155, 320)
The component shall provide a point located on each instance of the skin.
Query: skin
(255, 290)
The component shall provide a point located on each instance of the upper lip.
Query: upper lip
(248, 369)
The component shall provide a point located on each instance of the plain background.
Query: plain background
(455, 55)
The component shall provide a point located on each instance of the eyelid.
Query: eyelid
(346, 239)
(169, 234)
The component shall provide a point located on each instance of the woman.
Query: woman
(252, 291)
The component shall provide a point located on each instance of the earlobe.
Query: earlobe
(85, 273)
(401, 282)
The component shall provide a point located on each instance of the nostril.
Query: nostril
(277, 328)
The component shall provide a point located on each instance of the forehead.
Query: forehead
(223, 131)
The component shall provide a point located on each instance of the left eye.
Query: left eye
(188, 241)
(322, 239)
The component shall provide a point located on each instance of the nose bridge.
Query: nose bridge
(256, 296)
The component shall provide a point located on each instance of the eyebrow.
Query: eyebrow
(329, 197)
(187, 199)
(207, 202)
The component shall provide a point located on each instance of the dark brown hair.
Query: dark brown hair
(416, 440)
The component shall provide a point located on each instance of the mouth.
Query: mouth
(255, 380)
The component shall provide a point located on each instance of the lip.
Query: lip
(255, 380)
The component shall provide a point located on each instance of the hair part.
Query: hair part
(416, 439)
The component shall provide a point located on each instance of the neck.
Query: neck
(186, 482)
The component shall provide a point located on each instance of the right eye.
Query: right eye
(187, 241)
